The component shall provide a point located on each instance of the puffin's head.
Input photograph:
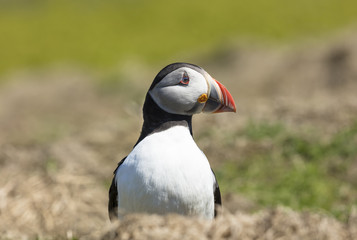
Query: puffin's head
(186, 89)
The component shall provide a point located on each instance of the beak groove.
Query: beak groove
(227, 102)
(220, 99)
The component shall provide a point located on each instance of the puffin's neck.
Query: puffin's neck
(156, 119)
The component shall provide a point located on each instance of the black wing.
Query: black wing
(113, 196)
(217, 195)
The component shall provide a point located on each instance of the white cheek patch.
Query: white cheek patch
(178, 99)
(171, 99)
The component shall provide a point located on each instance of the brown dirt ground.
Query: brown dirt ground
(61, 135)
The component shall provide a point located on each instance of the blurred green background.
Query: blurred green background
(103, 34)
(292, 143)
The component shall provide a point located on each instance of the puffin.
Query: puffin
(166, 172)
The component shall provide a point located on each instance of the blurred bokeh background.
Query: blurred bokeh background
(104, 34)
(73, 76)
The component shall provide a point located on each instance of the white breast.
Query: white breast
(166, 173)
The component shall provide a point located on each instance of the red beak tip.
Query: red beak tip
(228, 104)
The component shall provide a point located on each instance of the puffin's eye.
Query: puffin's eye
(185, 79)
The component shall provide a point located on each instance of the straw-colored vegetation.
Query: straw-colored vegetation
(291, 144)
(73, 78)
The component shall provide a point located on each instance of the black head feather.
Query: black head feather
(155, 118)
(172, 67)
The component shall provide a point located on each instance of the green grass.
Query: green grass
(103, 34)
(296, 169)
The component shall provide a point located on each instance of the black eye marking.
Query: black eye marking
(185, 79)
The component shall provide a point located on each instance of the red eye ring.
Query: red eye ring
(185, 79)
(184, 82)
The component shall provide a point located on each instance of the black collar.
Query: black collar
(156, 119)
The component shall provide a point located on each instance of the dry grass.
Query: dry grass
(279, 223)
(61, 136)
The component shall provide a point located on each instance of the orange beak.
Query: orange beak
(220, 99)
